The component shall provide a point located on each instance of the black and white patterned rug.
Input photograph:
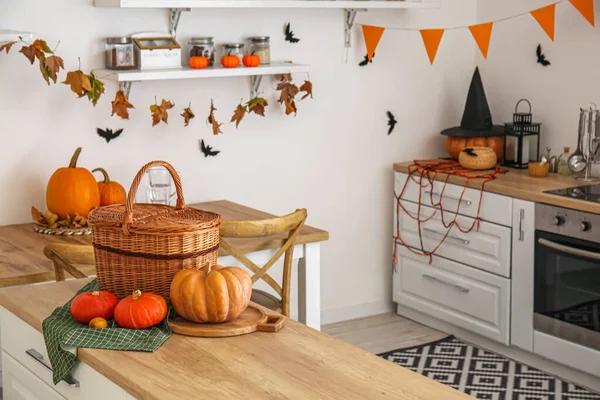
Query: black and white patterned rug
(484, 375)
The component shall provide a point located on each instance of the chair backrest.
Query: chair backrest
(65, 255)
(290, 224)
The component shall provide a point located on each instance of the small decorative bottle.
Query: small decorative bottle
(563, 165)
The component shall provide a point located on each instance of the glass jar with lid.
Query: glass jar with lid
(261, 46)
(120, 53)
(234, 49)
(203, 47)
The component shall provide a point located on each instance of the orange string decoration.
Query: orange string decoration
(428, 171)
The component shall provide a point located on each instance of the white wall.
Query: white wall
(556, 92)
(333, 158)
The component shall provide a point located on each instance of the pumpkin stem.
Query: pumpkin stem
(103, 171)
(208, 267)
(73, 163)
(136, 294)
(95, 293)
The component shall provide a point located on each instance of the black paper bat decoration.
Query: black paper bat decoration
(108, 134)
(541, 58)
(208, 150)
(289, 34)
(391, 122)
(470, 152)
(366, 61)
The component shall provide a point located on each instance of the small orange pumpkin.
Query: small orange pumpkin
(140, 310)
(89, 305)
(98, 323)
(251, 60)
(230, 61)
(198, 62)
(211, 294)
(72, 190)
(110, 192)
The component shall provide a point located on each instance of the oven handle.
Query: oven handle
(569, 250)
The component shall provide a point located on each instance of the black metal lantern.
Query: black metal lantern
(521, 139)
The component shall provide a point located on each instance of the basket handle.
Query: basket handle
(128, 216)
(519, 102)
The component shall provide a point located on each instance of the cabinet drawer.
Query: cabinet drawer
(463, 296)
(18, 337)
(18, 383)
(494, 207)
(487, 248)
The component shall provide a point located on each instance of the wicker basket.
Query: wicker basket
(484, 158)
(142, 246)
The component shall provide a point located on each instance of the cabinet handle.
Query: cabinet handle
(37, 356)
(467, 202)
(453, 285)
(521, 219)
(463, 241)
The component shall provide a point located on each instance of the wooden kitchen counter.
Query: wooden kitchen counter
(518, 184)
(22, 260)
(298, 362)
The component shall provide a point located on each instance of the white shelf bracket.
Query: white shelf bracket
(255, 81)
(349, 16)
(174, 17)
(125, 87)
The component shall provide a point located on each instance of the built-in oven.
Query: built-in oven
(567, 275)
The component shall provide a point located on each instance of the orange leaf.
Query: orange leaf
(120, 105)
(187, 115)
(306, 87)
(7, 46)
(80, 83)
(238, 115)
(31, 52)
(53, 64)
(257, 105)
(216, 126)
(160, 113)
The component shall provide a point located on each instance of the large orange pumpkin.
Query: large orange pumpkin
(455, 145)
(89, 305)
(140, 310)
(72, 190)
(110, 192)
(211, 294)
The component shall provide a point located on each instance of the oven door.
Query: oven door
(567, 289)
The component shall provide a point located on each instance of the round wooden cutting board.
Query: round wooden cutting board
(251, 320)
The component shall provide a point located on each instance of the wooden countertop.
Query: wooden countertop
(518, 184)
(296, 363)
(22, 260)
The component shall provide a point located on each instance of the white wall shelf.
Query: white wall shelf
(13, 36)
(126, 78)
(350, 7)
(341, 4)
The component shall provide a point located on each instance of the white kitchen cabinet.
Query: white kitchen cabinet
(523, 249)
(486, 248)
(457, 199)
(18, 383)
(455, 293)
(27, 374)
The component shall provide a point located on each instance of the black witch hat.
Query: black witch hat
(477, 119)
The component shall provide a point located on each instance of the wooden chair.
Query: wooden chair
(290, 224)
(65, 255)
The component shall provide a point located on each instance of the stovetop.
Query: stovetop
(587, 193)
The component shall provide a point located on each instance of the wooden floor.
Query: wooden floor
(381, 333)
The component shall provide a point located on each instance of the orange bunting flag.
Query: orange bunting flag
(482, 34)
(586, 8)
(545, 17)
(372, 36)
(432, 39)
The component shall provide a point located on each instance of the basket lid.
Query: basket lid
(153, 218)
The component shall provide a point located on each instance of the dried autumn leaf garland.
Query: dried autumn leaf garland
(216, 126)
(120, 105)
(187, 114)
(256, 105)
(161, 112)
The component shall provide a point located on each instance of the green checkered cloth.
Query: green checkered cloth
(61, 331)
